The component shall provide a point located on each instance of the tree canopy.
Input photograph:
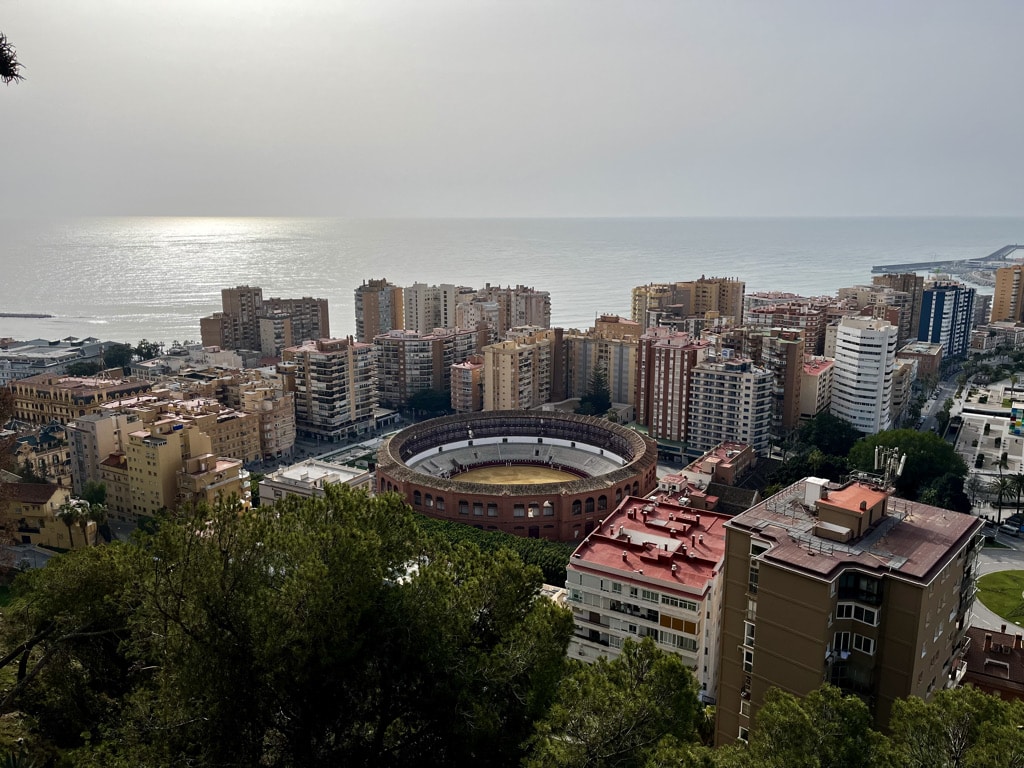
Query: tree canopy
(319, 632)
(10, 67)
(929, 458)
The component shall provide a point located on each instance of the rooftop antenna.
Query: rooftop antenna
(889, 462)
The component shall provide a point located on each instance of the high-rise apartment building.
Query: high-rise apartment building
(729, 401)
(379, 307)
(334, 382)
(815, 386)
(911, 284)
(409, 362)
(610, 346)
(248, 321)
(721, 297)
(665, 363)
(865, 357)
(525, 371)
(947, 317)
(846, 585)
(91, 439)
(429, 306)
(650, 569)
(1008, 296)
(810, 317)
(468, 385)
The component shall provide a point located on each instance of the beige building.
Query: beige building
(208, 480)
(524, 372)
(730, 400)
(30, 511)
(46, 398)
(428, 307)
(334, 382)
(912, 285)
(815, 386)
(468, 385)
(379, 308)
(844, 585)
(810, 317)
(611, 346)
(504, 308)
(928, 358)
(275, 411)
(92, 438)
(709, 296)
(246, 316)
(1008, 296)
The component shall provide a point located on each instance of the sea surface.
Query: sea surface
(126, 279)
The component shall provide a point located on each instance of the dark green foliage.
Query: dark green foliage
(94, 492)
(147, 350)
(83, 369)
(597, 400)
(431, 402)
(323, 632)
(118, 356)
(829, 434)
(615, 714)
(28, 474)
(550, 556)
(947, 492)
(929, 458)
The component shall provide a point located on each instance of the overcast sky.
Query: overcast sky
(518, 108)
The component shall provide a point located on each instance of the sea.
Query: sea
(127, 279)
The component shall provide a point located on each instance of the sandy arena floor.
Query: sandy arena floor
(514, 475)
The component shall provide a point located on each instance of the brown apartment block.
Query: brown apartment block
(379, 308)
(995, 661)
(246, 316)
(843, 584)
(611, 345)
(468, 385)
(665, 363)
(911, 284)
(811, 317)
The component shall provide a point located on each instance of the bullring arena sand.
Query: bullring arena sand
(516, 474)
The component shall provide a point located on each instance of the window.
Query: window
(616, 588)
(745, 708)
(864, 644)
(649, 596)
(744, 734)
(748, 634)
(753, 576)
(634, 592)
(463, 507)
(518, 511)
(686, 605)
(841, 641)
(748, 661)
(858, 613)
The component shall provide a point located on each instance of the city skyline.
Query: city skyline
(527, 109)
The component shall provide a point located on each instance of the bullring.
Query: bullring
(592, 464)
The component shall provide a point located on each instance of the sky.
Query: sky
(480, 108)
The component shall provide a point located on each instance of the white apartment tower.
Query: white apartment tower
(865, 357)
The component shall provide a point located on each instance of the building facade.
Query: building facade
(846, 585)
(665, 364)
(947, 317)
(1008, 296)
(379, 308)
(650, 569)
(524, 372)
(865, 357)
(729, 401)
(334, 383)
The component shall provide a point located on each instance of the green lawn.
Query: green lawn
(1003, 593)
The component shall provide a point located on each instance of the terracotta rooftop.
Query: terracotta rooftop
(912, 540)
(656, 542)
(817, 366)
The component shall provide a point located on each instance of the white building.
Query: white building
(865, 357)
(651, 569)
(308, 480)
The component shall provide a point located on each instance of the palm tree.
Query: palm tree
(93, 513)
(1017, 484)
(70, 512)
(1002, 487)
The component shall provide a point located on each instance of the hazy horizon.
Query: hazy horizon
(461, 109)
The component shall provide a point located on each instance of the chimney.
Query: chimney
(698, 520)
(863, 506)
(676, 568)
(988, 640)
(702, 538)
(1002, 628)
(1019, 642)
(624, 560)
(693, 541)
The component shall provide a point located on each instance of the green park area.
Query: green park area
(1003, 593)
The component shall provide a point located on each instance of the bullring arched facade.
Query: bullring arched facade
(608, 461)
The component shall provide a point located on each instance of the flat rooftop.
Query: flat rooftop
(912, 540)
(643, 540)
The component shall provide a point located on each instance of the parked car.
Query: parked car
(1010, 530)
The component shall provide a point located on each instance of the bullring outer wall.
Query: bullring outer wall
(562, 511)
